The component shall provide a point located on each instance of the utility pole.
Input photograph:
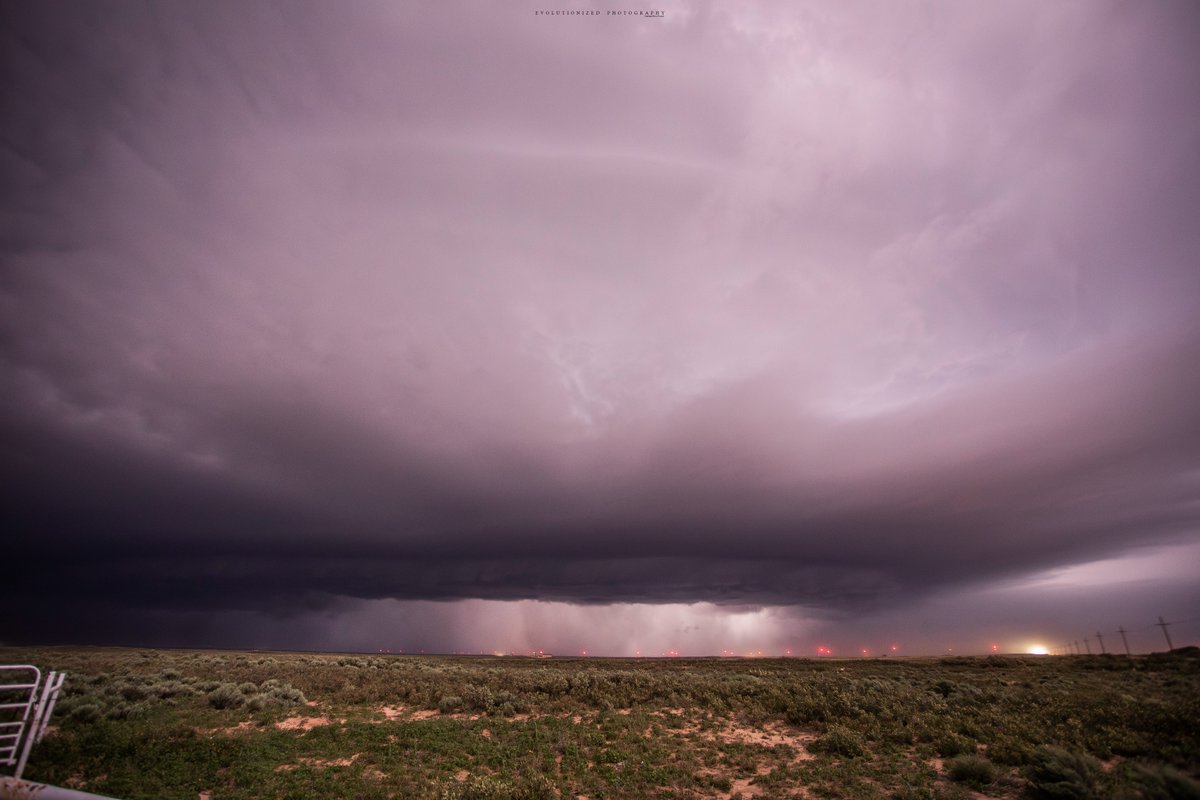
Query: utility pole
(1164, 625)
(1121, 631)
(1077, 650)
(1088, 645)
(1100, 639)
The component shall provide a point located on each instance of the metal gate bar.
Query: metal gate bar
(25, 706)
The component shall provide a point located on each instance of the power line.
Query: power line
(1166, 633)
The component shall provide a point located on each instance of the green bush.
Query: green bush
(171, 688)
(227, 695)
(478, 698)
(449, 704)
(1011, 750)
(287, 695)
(1162, 782)
(971, 769)
(952, 745)
(258, 702)
(839, 741)
(1059, 773)
(88, 712)
(134, 692)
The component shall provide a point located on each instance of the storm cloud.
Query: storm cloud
(313, 314)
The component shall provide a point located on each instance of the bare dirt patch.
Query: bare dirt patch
(743, 787)
(302, 723)
(770, 735)
(242, 727)
(393, 713)
(319, 763)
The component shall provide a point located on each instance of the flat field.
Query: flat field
(207, 725)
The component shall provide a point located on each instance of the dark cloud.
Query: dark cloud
(840, 312)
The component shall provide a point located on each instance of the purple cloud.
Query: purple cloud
(827, 310)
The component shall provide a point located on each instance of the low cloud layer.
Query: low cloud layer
(823, 311)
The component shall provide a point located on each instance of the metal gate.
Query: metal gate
(25, 705)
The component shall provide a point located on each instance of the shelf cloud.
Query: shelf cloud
(780, 313)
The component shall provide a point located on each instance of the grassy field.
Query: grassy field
(189, 724)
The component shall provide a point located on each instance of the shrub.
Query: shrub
(1059, 773)
(89, 712)
(258, 702)
(227, 695)
(1011, 750)
(952, 745)
(839, 741)
(118, 711)
(132, 691)
(288, 695)
(971, 769)
(449, 704)
(506, 703)
(248, 688)
(165, 689)
(478, 698)
(1162, 782)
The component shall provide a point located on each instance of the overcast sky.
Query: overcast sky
(453, 326)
